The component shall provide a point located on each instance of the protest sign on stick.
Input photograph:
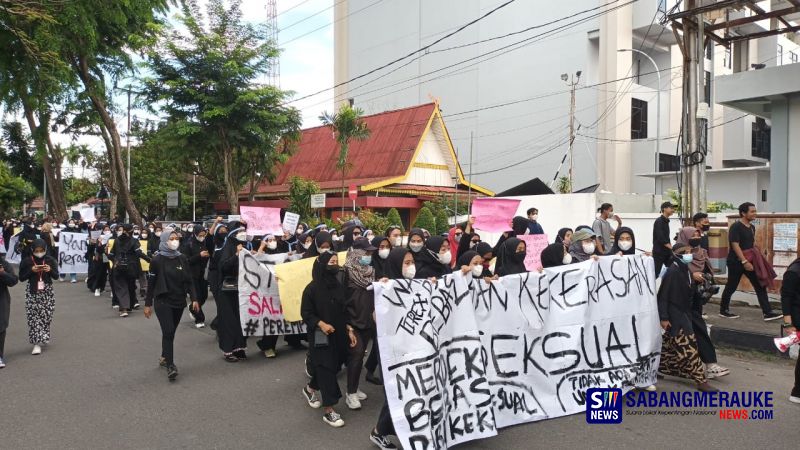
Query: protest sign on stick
(261, 220)
(494, 214)
(544, 339)
(534, 243)
(72, 249)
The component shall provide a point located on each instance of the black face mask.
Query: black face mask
(706, 227)
(332, 269)
(519, 257)
(694, 242)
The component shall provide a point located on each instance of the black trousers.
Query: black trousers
(661, 260)
(796, 389)
(735, 272)
(374, 358)
(323, 379)
(385, 427)
(201, 289)
(169, 318)
(355, 359)
(229, 325)
(704, 345)
(2, 342)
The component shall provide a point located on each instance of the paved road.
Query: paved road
(98, 385)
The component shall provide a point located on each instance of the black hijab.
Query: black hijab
(394, 263)
(347, 233)
(466, 259)
(508, 262)
(483, 248)
(378, 263)
(519, 225)
(321, 238)
(553, 255)
(615, 248)
(427, 260)
(561, 234)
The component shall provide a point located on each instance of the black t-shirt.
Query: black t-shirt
(745, 236)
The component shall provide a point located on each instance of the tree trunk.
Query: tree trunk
(117, 165)
(231, 192)
(113, 188)
(48, 152)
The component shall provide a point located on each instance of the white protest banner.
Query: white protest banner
(12, 255)
(290, 221)
(87, 215)
(260, 307)
(72, 249)
(544, 339)
(278, 258)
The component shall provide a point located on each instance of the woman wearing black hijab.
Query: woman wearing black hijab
(564, 236)
(323, 243)
(433, 261)
(380, 257)
(126, 254)
(511, 257)
(624, 242)
(349, 234)
(555, 255)
(229, 325)
(323, 310)
(217, 244)
(171, 280)
(39, 270)
(197, 258)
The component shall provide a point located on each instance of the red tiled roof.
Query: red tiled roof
(386, 154)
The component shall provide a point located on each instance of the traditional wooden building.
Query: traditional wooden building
(407, 160)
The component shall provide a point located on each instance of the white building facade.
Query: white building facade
(500, 80)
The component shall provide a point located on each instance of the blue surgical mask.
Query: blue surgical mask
(687, 257)
(365, 260)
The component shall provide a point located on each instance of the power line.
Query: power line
(311, 16)
(332, 23)
(422, 49)
(293, 7)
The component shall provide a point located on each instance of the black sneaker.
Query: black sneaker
(728, 315)
(380, 441)
(172, 372)
(135, 306)
(772, 316)
(240, 354)
(231, 358)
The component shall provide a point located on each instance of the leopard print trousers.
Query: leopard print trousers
(680, 358)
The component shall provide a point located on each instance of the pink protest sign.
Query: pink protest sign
(261, 220)
(494, 214)
(533, 255)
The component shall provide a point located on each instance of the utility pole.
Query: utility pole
(128, 145)
(689, 173)
(701, 118)
(469, 191)
(573, 82)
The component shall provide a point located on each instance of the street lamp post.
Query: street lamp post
(658, 113)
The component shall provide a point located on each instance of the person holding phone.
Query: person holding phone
(323, 309)
(39, 270)
(170, 281)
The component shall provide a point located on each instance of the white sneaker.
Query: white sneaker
(97, 292)
(37, 350)
(333, 419)
(115, 306)
(714, 370)
(199, 325)
(123, 314)
(794, 399)
(2, 363)
(361, 396)
(651, 388)
(312, 399)
(352, 401)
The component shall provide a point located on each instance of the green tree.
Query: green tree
(347, 124)
(374, 221)
(300, 192)
(14, 191)
(206, 81)
(442, 221)
(425, 220)
(79, 190)
(154, 173)
(20, 154)
(564, 185)
(393, 217)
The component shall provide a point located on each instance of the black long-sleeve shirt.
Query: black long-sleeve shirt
(661, 235)
(790, 293)
(26, 272)
(170, 282)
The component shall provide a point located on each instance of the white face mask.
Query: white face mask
(409, 272)
(445, 258)
(477, 271)
(272, 245)
(383, 253)
(173, 245)
(567, 259)
(534, 216)
(416, 247)
(398, 241)
(200, 238)
(625, 245)
(39, 254)
(588, 248)
(158, 234)
(241, 237)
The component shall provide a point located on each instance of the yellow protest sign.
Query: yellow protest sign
(145, 265)
(293, 277)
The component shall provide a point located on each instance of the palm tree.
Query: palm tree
(347, 124)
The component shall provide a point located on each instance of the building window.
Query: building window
(763, 195)
(780, 55)
(793, 57)
(638, 119)
(707, 86)
(709, 50)
(668, 163)
(662, 6)
(761, 139)
(727, 61)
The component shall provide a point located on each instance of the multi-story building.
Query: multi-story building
(500, 82)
